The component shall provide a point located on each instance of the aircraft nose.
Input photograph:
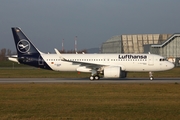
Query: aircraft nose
(170, 65)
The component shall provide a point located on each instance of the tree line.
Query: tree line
(4, 53)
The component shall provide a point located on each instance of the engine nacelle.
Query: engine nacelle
(114, 72)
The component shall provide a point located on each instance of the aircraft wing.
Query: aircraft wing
(86, 64)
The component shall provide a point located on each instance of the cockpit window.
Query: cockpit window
(162, 59)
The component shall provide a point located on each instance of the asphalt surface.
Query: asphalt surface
(86, 80)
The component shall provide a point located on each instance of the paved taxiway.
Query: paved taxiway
(86, 80)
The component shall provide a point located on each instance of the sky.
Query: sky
(47, 22)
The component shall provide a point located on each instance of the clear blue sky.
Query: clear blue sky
(47, 22)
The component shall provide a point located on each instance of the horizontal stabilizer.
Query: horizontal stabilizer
(13, 58)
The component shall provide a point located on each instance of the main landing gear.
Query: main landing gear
(151, 76)
(96, 77)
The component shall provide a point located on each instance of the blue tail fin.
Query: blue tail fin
(27, 53)
(23, 44)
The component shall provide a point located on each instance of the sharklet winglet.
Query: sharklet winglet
(59, 54)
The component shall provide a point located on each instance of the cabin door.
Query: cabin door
(150, 60)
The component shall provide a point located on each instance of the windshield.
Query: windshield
(162, 59)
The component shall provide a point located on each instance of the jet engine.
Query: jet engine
(114, 72)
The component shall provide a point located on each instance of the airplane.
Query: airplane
(104, 65)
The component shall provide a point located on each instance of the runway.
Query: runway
(86, 80)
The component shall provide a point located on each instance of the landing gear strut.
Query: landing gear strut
(151, 76)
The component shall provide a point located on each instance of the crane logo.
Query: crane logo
(23, 46)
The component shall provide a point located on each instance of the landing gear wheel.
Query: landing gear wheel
(91, 78)
(151, 78)
(97, 77)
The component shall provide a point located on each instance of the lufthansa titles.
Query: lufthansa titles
(129, 56)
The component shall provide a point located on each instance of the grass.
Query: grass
(11, 64)
(90, 101)
(40, 73)
(79, 101)
(173, 73)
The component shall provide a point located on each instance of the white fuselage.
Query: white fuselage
(127, 62)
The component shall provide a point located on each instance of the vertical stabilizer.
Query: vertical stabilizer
(22, 43)
(27, 53)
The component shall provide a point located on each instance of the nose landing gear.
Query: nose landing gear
(151, 76)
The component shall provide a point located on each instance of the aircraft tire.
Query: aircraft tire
(97, 77)
(151, 78)
(91, 78)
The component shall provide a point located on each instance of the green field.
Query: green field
(90, 101)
